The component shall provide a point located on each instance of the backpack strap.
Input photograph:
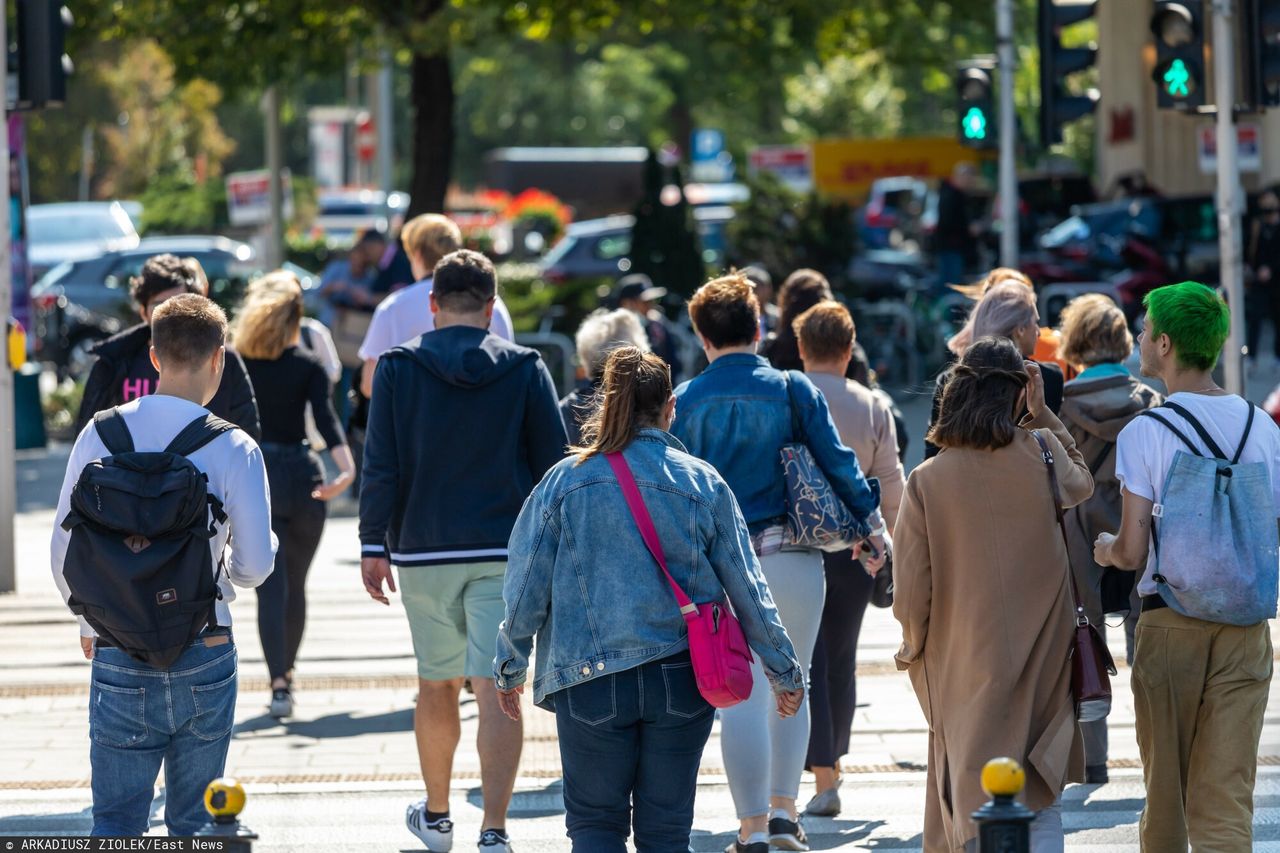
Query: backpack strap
(1200, 430)
(1150, 413)
(1248, 427)
(113, 431)
(197, 434)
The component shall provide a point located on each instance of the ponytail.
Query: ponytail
(635, 388)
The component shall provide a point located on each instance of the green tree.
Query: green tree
(664, 242)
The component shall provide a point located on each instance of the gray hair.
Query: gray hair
(605, 331)
(1003, 309)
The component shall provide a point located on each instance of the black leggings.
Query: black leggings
(833, 689)
(297, 520)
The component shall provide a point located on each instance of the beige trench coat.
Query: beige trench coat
(980, 587)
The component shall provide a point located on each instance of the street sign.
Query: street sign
(366, 138)
(709, 161)
(1248, 148)
(847, 167)
(249, 197)
(791, 164)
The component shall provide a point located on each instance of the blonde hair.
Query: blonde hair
(1000, 275)
(602, 333)
(1094, 331)
(431, 236)
(271, 316)
(635, 389)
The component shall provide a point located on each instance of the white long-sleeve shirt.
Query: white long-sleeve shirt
(237, 477)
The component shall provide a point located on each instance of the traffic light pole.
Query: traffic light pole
(1008, 136)
(1230, 194)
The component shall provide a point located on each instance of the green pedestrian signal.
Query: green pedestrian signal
(1176, 79)
(975, 124)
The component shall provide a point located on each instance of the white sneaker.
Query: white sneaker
(437, 835)
(492, 841)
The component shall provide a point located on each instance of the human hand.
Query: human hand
(509, 701)
(789, 703)
(86, 646)
(872, 551)
(1264, 273)
(338, 485)
(375, 570)
(1102, 549)
(1035, 390)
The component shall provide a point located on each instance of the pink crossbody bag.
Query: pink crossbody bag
(721, 657)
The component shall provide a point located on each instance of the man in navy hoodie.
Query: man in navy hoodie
(462, 426)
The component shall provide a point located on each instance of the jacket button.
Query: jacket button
(586, 670)
(600, 666)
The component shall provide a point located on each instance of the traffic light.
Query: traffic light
(1178, 26)
(975, 104)
(1262, 52)
(1058, 105)
(42, 64)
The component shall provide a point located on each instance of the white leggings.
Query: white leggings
(763, 753)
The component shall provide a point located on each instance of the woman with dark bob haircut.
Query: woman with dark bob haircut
(980, 587)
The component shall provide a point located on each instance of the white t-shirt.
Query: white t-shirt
(237, 477)
(1145, 449)
(406, 314)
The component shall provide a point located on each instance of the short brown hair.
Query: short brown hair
(1094, 331)
(464, 281)
(725, 311)
(825, 331)
(979, 395)
(166, 272)
(187, 330)
(431, 237)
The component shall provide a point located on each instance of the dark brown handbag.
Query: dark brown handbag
(1091, 662)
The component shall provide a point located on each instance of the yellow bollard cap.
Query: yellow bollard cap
(17, 342)
(1003, 777)
(224, 798)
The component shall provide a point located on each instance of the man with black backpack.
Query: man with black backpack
(152, 491)
(1200, 484)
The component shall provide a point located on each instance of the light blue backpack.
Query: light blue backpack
(1215, 539)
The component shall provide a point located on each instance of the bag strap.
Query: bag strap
(644, 522)
(197, 434)
(1150, 413)
(1047, 455)
(113, 431)
(797, 433)
(1248, 427)
(1199, 428)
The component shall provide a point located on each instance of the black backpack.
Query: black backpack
(139, 565)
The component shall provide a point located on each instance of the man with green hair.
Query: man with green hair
(1200, 687)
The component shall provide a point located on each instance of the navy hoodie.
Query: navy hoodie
(462, 426)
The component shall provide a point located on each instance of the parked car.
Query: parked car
(78, 303)
(895, 212)
(601, 248)
(344, 214)
(75, 231)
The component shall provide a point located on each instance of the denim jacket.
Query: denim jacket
(737, 414)
(580, 578)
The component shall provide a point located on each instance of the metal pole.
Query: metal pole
(8, 413)
(274, 254)
(1008, 136)
(386, 121)
(1230, 193)
(86, 161)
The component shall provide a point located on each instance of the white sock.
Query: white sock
(755, 838)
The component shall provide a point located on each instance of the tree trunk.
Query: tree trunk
(432, 97)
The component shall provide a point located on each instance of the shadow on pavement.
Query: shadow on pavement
(527, 804)
(333, 726)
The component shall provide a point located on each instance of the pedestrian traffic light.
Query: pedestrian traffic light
(1059, 105)
(42, 65)
(1262, 52)
(975, 104)
(1178, 26)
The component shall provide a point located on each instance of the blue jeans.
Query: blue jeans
(630, 743)
(140, 716)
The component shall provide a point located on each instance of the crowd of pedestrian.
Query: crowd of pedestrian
(666, 553)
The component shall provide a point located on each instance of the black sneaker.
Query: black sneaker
(787, 834)
(281, 703)
(738, 847)
(1096, 774)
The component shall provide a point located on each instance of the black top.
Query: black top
(284, 387)
(124, 372)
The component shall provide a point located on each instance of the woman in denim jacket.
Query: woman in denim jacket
(737, 415)
(613, 660)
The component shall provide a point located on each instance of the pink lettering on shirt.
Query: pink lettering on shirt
(135, 388)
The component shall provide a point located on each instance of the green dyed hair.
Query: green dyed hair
(1195, 318)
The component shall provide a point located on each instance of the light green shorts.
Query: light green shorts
(454, 612)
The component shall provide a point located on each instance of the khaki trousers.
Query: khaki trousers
(1200, 691)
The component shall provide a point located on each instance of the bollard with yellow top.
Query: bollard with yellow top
(1004, 824)
(224, 800)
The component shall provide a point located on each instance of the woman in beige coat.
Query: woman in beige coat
(980, 587)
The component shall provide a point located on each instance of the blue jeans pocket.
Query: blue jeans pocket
(215, 708)
(593, 702)
(683, 698)
(117, 715)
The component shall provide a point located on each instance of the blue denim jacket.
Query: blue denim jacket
(737, 415)
(579, 575)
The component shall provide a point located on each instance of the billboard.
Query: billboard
(847, 167)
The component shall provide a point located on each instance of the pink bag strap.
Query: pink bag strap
(644, 522)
